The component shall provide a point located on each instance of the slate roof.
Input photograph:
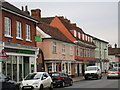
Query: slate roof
(53, 32)
(11, 7)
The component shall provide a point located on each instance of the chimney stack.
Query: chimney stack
(26, 10)
(36, 13)
(74, 24)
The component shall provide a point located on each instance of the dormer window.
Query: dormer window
(79, 35)
(75, 33)
(83, 36)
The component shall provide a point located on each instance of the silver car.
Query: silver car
(113, 73)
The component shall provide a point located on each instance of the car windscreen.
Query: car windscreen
(33, 76)
(55, 74)
(91, 68)
(2, 76)
(114, 70)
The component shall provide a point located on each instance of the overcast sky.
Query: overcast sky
(98, 18)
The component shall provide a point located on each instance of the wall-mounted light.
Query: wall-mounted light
(9, 40)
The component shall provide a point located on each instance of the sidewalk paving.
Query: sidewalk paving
(79, 78)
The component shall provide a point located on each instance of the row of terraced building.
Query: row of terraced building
(53, 44)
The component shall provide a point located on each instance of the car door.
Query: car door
(44, 80)
(65, 78)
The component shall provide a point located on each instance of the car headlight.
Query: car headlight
(35, 83)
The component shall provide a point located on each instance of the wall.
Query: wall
(15, 18)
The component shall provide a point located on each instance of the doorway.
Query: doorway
(26, 65)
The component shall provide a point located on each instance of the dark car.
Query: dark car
(61, 79)
(7, 84)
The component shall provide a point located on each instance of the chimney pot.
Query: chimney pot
(26, 8)
(22, 8)
(115, 45)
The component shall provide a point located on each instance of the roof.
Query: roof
(68, 25)
(113, 51)
(47, 20)
(12, 8)
(53, 32)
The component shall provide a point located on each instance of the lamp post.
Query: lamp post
(104, 59)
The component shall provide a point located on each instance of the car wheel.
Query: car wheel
(71, 83)
(51, 87)
(86, 78)
(16, 88)
(108, 77)
(41, 87)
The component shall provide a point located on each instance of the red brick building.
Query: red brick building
(17, 40)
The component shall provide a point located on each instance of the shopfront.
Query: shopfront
(19, 63)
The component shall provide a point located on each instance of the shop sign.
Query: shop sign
(38, 39)
(19, 51)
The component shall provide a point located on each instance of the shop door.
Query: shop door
(26, 66)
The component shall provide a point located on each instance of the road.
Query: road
(101, 83)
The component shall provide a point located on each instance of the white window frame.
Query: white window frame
(71, 50)
(54, 47)
(63, 48)
(76, 68)
(7, 27)
(75, 33)
(28, 32)
(18, 30)
(69, 68)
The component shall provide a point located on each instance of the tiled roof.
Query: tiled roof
(53, 32)
(113, 51)
(47, 20)
(11, 7)
(68, 25)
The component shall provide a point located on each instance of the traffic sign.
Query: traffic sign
(3, 53)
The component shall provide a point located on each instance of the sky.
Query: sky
(98, 18)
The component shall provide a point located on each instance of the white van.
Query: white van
(93, 72)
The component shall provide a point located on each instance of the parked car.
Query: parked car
(37, 81)
(93, 72)
(113, 73)
(7, 84)
(61, 79)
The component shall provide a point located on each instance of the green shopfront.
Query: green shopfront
(21, 61)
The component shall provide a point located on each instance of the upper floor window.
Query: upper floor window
(28, 32)
(7, 26)
(18, 30)
(71, 50)
(77, 51)
(63, 48)
(54, 47)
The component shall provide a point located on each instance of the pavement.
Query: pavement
(79, 78)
